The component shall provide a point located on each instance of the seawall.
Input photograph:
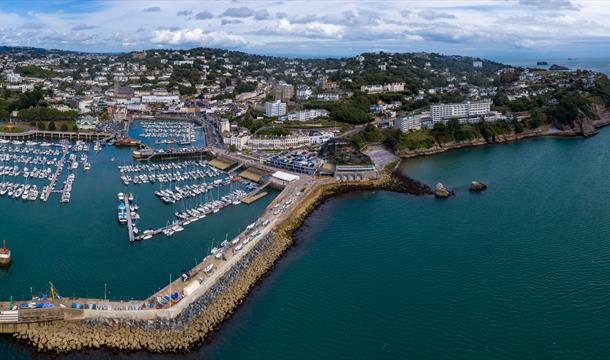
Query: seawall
(202, 317)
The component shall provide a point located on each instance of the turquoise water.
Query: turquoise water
(80, 246)
(519, 271)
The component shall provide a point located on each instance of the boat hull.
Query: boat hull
(5, 261)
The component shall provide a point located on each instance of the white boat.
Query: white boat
(208, 268)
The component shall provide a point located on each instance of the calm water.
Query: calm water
(598, 64)
(519, 271)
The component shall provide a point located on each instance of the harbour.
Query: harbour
(99, 210)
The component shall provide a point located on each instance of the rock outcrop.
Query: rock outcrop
(477, 186)
(440, 191)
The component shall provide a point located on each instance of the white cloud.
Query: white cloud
(196, 37)
(284, 27)
(433, 15)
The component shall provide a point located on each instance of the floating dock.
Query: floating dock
(53, 181)
(252, 198)
(129, 222)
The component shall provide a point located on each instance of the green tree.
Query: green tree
(63, 127)
(51, 126)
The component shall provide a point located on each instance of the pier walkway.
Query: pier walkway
(129, 220)
(53, 182)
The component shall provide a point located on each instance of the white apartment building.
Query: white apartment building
(236, 140)
(160, 99)
(12, 77)
(275, 108)
(303, 93)
(394, 87)
(371, 89)
(444, 112)
(277, 142)
(408, 123)
(328, 97)
(319, 138)
(375, 89)
(304, 115)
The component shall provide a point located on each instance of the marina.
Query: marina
(35, 162)
(93, 204)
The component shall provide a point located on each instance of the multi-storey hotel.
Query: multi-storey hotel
(444, 112)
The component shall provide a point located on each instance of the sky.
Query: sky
(315, 28)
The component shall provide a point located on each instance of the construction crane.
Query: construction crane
(54, 292)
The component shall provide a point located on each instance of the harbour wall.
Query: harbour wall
(184, 327)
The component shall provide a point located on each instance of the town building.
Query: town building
(445, 112)
(275, 108)
(304, 115)
(303, 92)
(86, 122)
(408, 123)
(282, 91)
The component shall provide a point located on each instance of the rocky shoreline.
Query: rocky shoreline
(202, 318)
(437, 148)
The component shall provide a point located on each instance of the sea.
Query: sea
(601, 64)
(518, 271)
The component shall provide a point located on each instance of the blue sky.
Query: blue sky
(315, 28)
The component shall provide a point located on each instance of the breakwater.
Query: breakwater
(202, 317)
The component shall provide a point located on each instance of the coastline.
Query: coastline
(203, 317)
(502, 139)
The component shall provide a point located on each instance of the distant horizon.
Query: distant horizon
(496, 58)
(314, 28)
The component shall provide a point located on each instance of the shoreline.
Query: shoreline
(502, 139)
(201, 319)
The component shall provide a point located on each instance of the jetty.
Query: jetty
(51, 187)
(129, 220)
(151, 155)
(256, 194)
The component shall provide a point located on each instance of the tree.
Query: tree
(41, 126)
(51, 126)
(63, 127)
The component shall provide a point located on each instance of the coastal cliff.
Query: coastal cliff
(438, 148)
(584, 126)
(202, 318)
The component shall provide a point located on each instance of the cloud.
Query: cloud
(315, 29)
(81, 27)
(405, 13)
(240, 12)
(196, 37)
(203, 15)
(433, 15)
(184, 12)
(550, 5)
(230, 21)
(152, 9)
(262, 15)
